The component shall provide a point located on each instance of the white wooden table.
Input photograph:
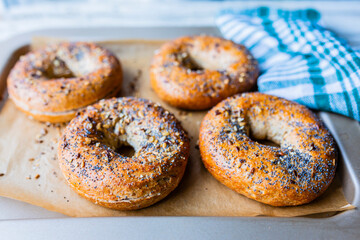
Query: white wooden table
(341, 16)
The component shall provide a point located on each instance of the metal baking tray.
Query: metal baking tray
(23, 221)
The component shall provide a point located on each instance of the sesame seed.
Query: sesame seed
(43, 131)
(89, 126)
(141, 114)
(122, 131)
(87, 141)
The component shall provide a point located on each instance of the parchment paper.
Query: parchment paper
(30, 173)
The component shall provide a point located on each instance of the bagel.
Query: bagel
(295, 173)
(96, 170)
(51, 84)
(195, 73)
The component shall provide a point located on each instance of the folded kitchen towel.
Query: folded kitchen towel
(299, 59)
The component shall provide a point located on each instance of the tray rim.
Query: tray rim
(341, 225)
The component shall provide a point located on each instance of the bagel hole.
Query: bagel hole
(58, 69)
(126, 151)
(197, 60)
(266, 142)
(263, 141)
(189, 62)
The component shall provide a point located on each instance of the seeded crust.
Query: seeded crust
(198, 72)
(294, 174)
(52, 83)
(95, 170)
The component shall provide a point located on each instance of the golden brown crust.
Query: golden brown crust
(296, 173)
(52, 83)
(95, 170)
(57, 117)
(198, 72)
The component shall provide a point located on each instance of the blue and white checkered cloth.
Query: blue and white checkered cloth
(299, 59)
